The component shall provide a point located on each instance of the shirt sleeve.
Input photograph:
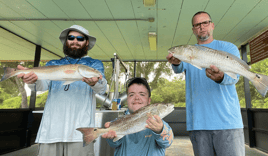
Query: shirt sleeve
(101, 86)
(178, 69)
(165, 138)
(115, 144)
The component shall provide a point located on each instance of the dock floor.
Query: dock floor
(181, 146)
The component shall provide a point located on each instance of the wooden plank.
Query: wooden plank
(184, 27)
(259, 47)
(252, 32)
(48, 8)
(14, 54)
(248, 22)
(45, 55)
(168, 14)
(128, 29)
(22, 8)
(109, 32)
(235, 13)
(140, 11)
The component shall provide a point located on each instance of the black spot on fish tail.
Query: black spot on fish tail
(227, 56)
(95, 129)
(258, 76)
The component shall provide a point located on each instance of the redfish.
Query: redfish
(203, 57)
(128, 124)
(68, 73)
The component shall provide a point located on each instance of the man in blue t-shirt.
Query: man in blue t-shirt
(213, 113)
(152, 141)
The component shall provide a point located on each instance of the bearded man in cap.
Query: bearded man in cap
(68, 106)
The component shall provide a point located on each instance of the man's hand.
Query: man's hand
(91, 81)
(214, 73)
(111, 134)
(29, 78)
(155, 125)
(173, 60)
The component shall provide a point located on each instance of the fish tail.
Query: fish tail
(261, 84)
(8, 73)
(89, 134)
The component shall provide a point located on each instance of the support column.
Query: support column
(250, 117)
(135, 64)
(36, 64)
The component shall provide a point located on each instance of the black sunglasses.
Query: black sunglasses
(79, 38)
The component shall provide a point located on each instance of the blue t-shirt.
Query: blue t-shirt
(211, 105)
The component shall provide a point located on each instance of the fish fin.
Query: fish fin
(68, 82)
(118, 137)
(261, 83)
(89, 134)
(232, 75)
(197, 66)
(8, 73)
(83, 71)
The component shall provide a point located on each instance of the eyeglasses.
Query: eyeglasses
(205, 24)
(79, 38)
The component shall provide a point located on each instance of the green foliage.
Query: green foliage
(15, 102)
(180, 104)
(169, 92)
(257, 101)
(41, 99)
(12, 103)
(143, 69)
(9, 86)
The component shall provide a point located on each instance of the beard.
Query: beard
(203, 38)
(75, 52)
(206, 37)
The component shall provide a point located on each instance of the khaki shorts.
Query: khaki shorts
(66, 149)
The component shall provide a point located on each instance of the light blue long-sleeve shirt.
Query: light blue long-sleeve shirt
(144, 143)
(211, 105)
(67, 110)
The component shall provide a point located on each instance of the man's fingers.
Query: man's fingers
(20, 75)
(169, 56)
(107, 124)
(110, 135)
(208, 72)
(20, 67)
(214, 68)
(157, 119)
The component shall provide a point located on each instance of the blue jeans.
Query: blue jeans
(228, 142)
